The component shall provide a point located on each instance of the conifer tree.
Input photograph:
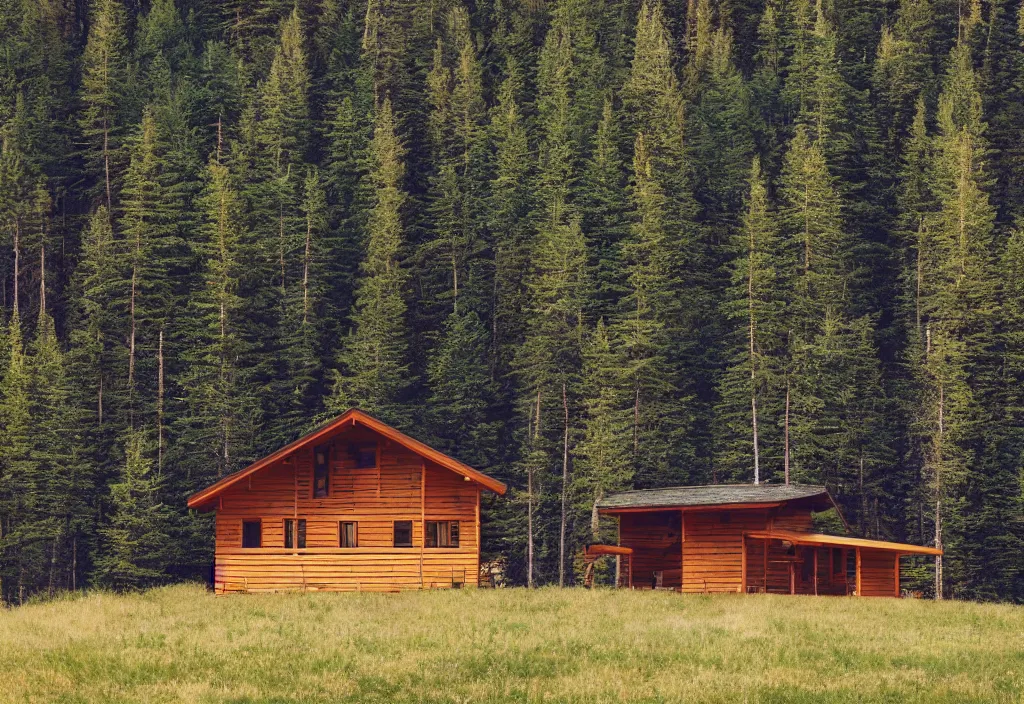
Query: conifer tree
(104, 94)
(649, 325)
(18, 469)
(374, 374)
(136, 547)
(751, 389)
(604, 452)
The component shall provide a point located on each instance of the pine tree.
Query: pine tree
(374, 373)
(105, 90)
(136, 546)
(18, 470)
(650, 327)
(751, 388)
(604, 453)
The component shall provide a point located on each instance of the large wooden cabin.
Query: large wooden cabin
(354, 505)
(747, 538)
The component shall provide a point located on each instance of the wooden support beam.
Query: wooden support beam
(858, 573)
(478, 492)
(423, 515)
(682, 552)
(765, 566)
(743, 565)
(815, 571)
(896, 575)
(792, 578)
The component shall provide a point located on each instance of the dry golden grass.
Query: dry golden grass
(181, 644)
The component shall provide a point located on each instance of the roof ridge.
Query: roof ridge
(709, 486)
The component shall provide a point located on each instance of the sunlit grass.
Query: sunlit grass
(183, 644)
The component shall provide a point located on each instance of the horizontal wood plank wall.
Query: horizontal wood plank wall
(655, 539)
(713, 553)
(374, 498)
(877, 572)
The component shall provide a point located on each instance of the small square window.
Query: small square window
(252, 534)
(365, 456)
(347, 531)
(295, 533)
(403, 534)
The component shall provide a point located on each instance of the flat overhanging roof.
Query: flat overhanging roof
(821, 539)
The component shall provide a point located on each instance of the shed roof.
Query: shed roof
(713, 495)
(202, 499)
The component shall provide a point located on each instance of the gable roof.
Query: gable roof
(353, 416)
(714, 495)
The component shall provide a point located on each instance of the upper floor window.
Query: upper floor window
(252, 534)
(442, 534)
(403, 534)
(295, 533)
(321, 471)
(365, 456)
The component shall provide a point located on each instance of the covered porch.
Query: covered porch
(792, 562)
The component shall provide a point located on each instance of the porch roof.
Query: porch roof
(822, 539)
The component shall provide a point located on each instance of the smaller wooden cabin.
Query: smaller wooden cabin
(748, 538)
(354, 505)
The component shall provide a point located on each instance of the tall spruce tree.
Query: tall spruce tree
(374, 374)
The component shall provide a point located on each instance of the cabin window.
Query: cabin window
(347, 532)
(295, 533)
(252, 533)
(442, 534)
(403, 534)
(365, 456)
(321, 471)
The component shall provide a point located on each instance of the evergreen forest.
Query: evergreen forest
(580, 245)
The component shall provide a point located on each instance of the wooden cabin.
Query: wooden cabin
(747, 538)
(354, 505)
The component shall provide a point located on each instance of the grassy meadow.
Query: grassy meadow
(181, 644)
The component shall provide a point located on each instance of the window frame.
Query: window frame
(321, 469)
(432, 533)
(394, 535)
(295, 533)
(341, 534)
(259, 534)
(357, 451)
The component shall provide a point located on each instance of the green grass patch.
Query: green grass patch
(181, 644)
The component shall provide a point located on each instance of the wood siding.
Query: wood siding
(372, 497)
(878, 573)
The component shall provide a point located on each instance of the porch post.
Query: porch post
(682, 551)
(858, 573)
(743, 567)
(815, 570)
(792, 577)
(896, 575)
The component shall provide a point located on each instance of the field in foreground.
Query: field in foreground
(182, 644)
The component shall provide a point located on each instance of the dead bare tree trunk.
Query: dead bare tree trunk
(106, 166)
(42, 282)
(938, 493)
(753, 358)
(17, 260)
(305, 269)
(565, 488)
(160, 405)
(529, 500)
(785, 453)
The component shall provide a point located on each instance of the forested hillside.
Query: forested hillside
(582, 245)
